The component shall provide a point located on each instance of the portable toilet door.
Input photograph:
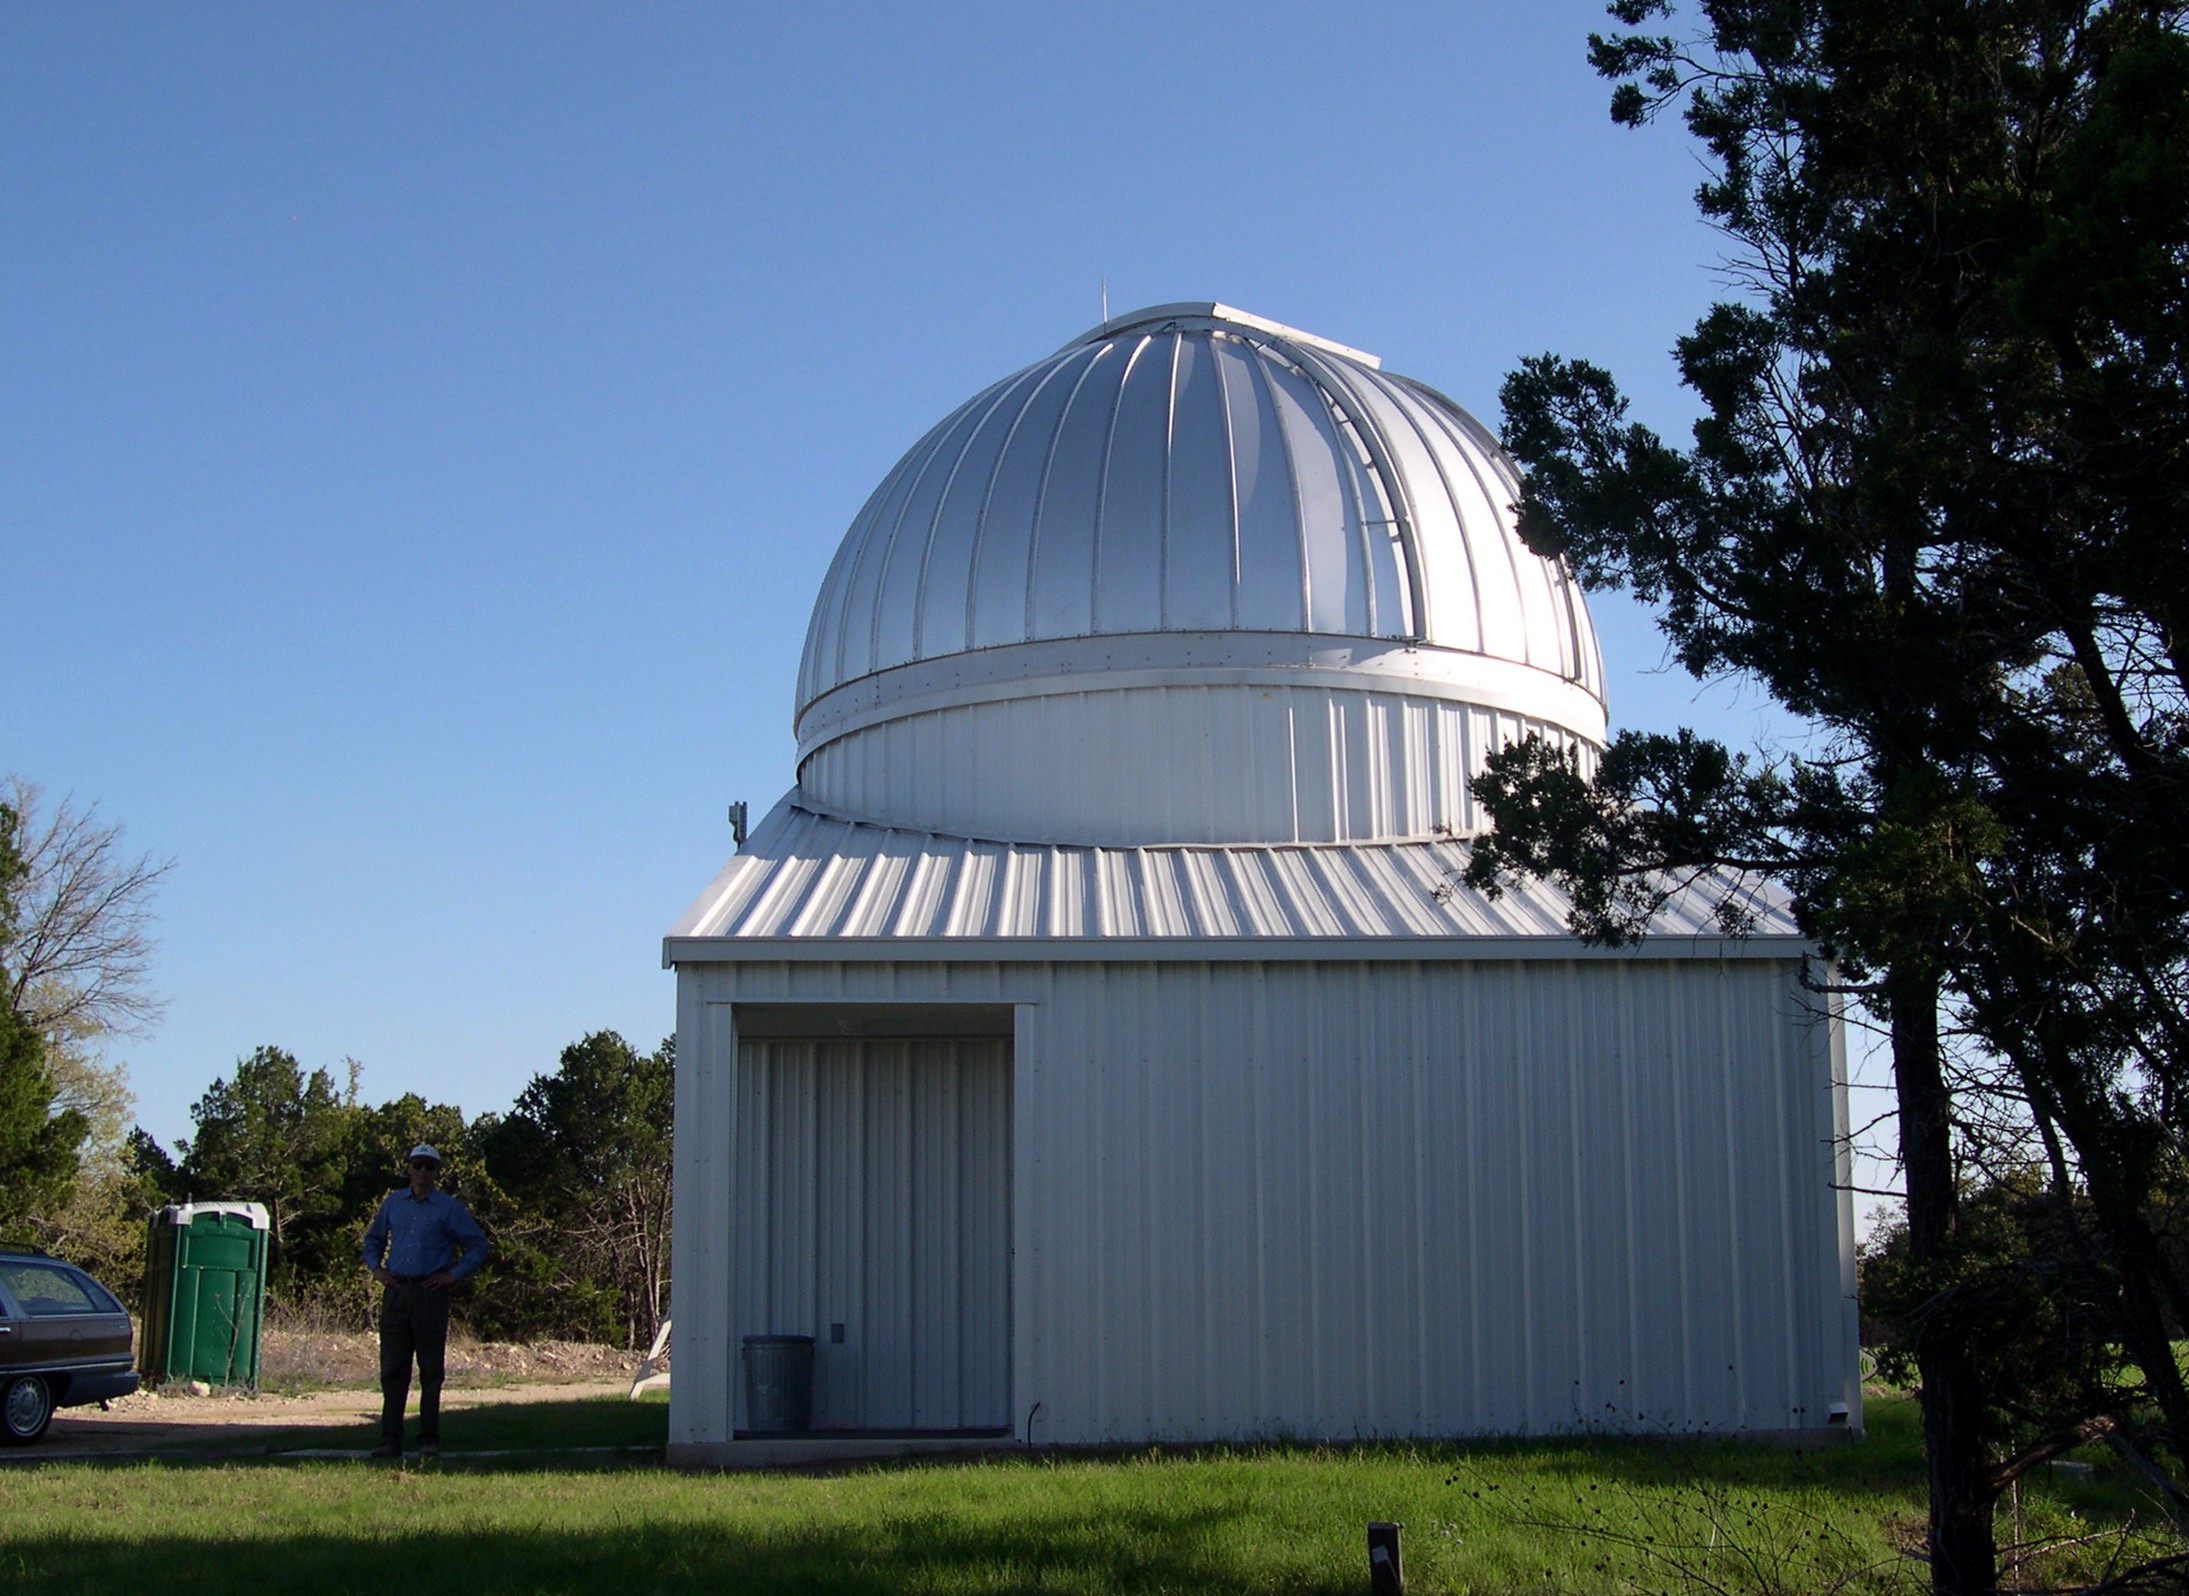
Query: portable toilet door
(205, 1293)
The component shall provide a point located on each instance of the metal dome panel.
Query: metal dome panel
(1192, 469)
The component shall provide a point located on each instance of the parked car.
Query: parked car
(64, 1341)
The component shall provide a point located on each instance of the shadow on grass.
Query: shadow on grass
(541, 1428)
(546, 1426)
(1886, 1461)
(557, 1434)
(1065, 1550)
(1887, 1458)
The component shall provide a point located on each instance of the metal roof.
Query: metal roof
(1193, 469)
(808, 885)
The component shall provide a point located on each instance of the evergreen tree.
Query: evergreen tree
(38, 1147)
(38, 1144)
(272, 1134)
(581, 1171)
(1935, 504)
(75, 952)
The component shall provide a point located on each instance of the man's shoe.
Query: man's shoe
(428, 1450)
(388, 1449)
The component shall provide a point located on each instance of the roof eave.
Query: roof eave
(679, 950)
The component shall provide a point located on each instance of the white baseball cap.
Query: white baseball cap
(423, 1151)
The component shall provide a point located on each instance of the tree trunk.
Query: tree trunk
(2104, 1148)
(1964, 1552)
(1964, 1555)
(2139, 1266)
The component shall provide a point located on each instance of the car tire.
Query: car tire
(26, 1408)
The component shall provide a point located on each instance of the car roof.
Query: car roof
(33, 1255)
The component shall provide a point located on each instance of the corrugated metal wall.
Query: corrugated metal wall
(875, 1177)
(1343, 1199)
(1229, 764)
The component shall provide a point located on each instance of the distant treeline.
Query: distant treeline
(571, 1184)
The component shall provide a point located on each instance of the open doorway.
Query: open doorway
(873, 1194)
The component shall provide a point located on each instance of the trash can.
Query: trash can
(778, 1384)
(204, 1294)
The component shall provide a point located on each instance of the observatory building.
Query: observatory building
(1099, 1044)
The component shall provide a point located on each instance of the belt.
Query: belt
(406, 1280)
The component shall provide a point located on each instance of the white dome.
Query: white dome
(1187, 501)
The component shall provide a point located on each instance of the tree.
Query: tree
(38, 1142)
(368, 1165)
(1935, 504)
(37, 1145)
(76, 940)
(378, 1140)
(75, 961)
(583, 1163)
(274, 1135)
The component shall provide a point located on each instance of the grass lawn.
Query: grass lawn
(1504, 1517)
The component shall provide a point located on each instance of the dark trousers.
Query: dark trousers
(413, 1323)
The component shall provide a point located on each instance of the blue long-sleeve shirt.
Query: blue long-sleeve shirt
(416, 1236)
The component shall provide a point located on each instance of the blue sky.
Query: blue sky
(423, 428)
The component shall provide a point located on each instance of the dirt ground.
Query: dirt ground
(290, 1359)
(327, 1379)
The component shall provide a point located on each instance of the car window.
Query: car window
(42, 1290)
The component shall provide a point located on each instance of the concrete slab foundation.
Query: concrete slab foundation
(806, 1451)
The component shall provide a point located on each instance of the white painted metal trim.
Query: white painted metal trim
(703, 1397)
(1202, 315)
(1113, 663)
(676, 950)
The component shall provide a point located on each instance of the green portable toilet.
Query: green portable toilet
(204, 1291)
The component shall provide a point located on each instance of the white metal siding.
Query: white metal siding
(1184, 764)
(1398, 1198)
(874, 1181)
(702, 1239)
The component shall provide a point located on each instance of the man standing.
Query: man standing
(421, 1242)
